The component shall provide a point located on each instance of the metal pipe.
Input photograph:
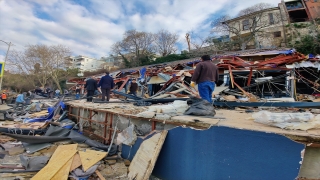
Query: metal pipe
(154, 101)
(114, 134)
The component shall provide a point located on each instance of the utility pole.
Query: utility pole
(188, 41)
(5, 61)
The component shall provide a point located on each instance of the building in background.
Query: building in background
(277, 26)
(263, 29)
(84, 63)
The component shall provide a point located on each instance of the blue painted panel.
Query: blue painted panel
(226, 153)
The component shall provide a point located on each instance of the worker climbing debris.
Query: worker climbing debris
(205, 75)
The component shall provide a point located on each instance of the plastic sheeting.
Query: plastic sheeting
(301, 121)
(34, 163)
(55, 134)
(127, 136)
(200, 107)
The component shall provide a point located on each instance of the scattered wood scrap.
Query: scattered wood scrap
(60, 157)
(76, 162)
(90, 157)
(99, 175)
(17, 175)
(143, 162)
(39, 114)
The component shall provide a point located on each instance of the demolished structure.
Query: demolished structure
(167, 132)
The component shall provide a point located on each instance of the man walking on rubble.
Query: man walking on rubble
(205, 75)
(91, 86)
(20, 100)
(133, 87)
(106, 84)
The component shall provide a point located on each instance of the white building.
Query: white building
(84, 63)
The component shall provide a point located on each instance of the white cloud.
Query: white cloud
(91, 28)
(2, 57)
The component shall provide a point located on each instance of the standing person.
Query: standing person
(66, 92)
(57, 92)
(96, 92)
(31, 94)
(91, 86)
(48, 92)
(3, 98)
(106, 84)
(20, 100)
(205, 75)
(78, 89)
(133, 87)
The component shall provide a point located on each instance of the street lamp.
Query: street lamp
(5, 60)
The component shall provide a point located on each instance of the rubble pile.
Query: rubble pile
(46, 141)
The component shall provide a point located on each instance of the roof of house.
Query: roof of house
(243, 16)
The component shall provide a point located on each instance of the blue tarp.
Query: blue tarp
(196, 61)
(49, 116)
(143, 73)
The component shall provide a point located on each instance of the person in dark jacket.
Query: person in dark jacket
(133, 87)
(91, 86)
(205, 75)
(78, 90)
(106, 84)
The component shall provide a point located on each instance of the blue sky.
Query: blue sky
(90, 27)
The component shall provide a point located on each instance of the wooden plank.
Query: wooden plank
(76, 162)
(25, 174)
(62, 148)
(310, 164)
(90, 157)
(63, 173)
(143, 162)
(59, 158)
(99, 175)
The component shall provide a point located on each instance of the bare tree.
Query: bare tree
(254, 8)
(255, 20)
(58, 63)
(134, 46)
(166, 42)
(197, 41)
(43, 62)
(21, 64)
(199, 45)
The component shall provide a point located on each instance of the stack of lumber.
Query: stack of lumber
(67, 158)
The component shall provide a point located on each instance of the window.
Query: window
(245, 24)
(271, 21)
(277, 34)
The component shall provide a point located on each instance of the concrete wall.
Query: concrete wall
(265, 38)
(263, 21)
(143, 127)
